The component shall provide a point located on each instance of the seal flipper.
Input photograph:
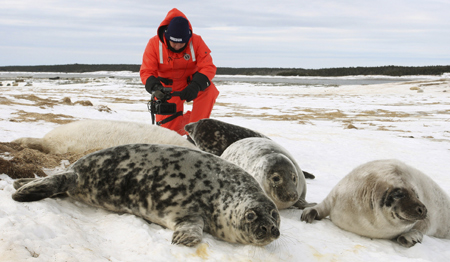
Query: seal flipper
(189, 231)
(410, 238)
(31, 142)
(301, 204)
(316, 212)
(22, 181)
(40, 188)
(308, 175)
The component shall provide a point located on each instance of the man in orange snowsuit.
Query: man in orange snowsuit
(179, 59)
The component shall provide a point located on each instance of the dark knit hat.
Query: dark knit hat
(178, 30)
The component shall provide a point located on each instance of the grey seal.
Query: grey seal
(214, 136)
(273, 167)
(185, 190)
(386, 199)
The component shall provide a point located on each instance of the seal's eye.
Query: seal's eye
(250, 216)
(395, 195)
(294, 177)
(276, 179)
(398, 195)
(275, 214)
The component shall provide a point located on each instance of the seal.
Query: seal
(273, 167)
(85, 135)
(214, 136)
(386, 199)
(185, 190)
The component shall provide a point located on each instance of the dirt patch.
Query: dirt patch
(84, 103)
(303, 115)
(23, 116)
(128, 101)
(19, 162)
(383, 113)
(41, 102)
(4, 101)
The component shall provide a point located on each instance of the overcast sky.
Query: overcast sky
(245, 33)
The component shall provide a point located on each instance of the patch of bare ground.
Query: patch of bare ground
(19, 162)
(41, 102)
(23, 116)
(129, 101)
(4, 101)
(382, 113)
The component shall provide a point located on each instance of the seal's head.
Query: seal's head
(214, 136)
(244, 214)
(280, 180)
(259, 223)
(403, 205)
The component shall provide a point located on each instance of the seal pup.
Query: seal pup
(214, 136)
(185, 190)
(84, 135)
(273, 167)
(386, 199)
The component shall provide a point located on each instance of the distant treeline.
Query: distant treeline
(340, 71)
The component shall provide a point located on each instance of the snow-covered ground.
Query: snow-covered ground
(329, 129)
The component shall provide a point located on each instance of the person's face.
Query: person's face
(177, 46)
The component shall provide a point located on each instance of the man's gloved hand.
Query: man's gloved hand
(199, 83)
(190, 92)
(153, 84)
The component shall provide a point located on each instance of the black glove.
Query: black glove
(201, 80)
(199, 83)
(153, 84)
(190, 92)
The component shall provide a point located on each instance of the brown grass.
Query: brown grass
(20, 162)
(23, 116)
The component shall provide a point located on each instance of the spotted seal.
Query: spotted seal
(386, 199)
(273, 167)
(185, 190)
(214, 136)
(94, 134)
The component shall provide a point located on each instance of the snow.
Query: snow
(409, 121)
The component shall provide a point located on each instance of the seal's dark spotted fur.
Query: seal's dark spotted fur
(214, 136)
(182, 189)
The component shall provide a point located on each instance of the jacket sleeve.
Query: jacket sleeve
(204, 60)
(149, 65)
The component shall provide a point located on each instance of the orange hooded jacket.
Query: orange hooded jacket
(159, 61)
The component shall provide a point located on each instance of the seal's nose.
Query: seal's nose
(275, 232)
(421, 211)
(293, 196)
(271, 230)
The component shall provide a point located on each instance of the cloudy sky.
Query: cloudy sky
(260, 33)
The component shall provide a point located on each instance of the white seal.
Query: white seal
(84, 135)
(386, 199)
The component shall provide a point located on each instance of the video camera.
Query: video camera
(161, 106)
(158, 105)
